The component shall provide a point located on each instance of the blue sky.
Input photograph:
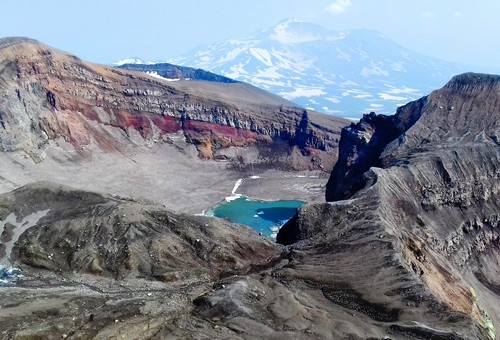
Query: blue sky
(105, 31)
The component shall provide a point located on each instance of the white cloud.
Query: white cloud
(361, 96)
(398, 66)
(429, 14)
(457, 14)
(339, 6)
(333, 100)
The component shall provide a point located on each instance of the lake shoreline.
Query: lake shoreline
(264, 216)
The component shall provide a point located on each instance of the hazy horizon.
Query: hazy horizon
(107, 31)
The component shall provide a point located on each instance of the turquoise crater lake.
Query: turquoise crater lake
(263, 216)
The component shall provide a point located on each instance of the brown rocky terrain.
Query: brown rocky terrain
(82, 251)
(407, 245)
(48, 94)
(409, 251)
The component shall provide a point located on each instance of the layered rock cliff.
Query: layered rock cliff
(48, 94)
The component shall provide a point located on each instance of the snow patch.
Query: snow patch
(340, 36)
(342, 55)
(232, 197)
(283, 34)
(19, 228)
(236, 71)
(261, 55)
(236, 186)
(285, 24)
(303, 92)
(271, 72)
(137, 61)
(231, 55)
(373, 70)
(156, 75)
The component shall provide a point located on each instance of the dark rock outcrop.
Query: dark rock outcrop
(171, 71)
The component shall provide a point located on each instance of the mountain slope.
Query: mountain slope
(346, 73)
(90, 261)
(106, 124)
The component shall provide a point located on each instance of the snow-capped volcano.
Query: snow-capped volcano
(347, 73)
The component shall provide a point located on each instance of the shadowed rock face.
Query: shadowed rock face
(47, 94)
(176, 72)
(84, 232)
(413, 208)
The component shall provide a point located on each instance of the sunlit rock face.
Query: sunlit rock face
(48, 94)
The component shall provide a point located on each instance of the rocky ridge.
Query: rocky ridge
(175, 72)
(122, 238)
(49, 95)
(418, 193)
(93, 261)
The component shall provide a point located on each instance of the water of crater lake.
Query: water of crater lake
(263, 216)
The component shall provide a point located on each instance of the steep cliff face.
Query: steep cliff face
(463, 111)
(413, 208)
(48, 94)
